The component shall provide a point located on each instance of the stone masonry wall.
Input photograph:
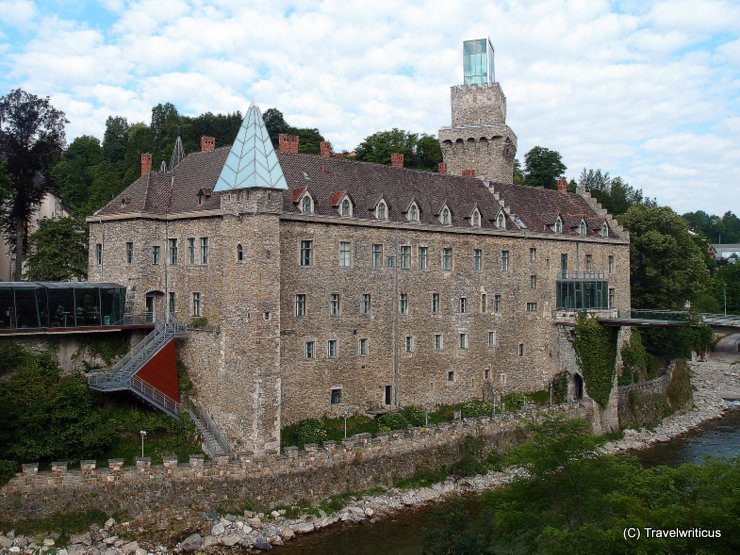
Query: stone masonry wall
(355, 464)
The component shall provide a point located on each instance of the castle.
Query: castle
(322, 286)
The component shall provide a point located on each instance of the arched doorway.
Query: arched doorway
(577, 387)
(154, 306)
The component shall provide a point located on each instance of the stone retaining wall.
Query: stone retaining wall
(644, 402)
(357, 463)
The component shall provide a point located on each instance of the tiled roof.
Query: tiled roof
(329, 179)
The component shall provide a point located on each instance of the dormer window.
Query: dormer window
(445, 216)
(345, 208)
(605, 230)
(203, 194)
(413, 213)
(475, 218)
(582, 228)
(558, 225)
(307, 204)
(501, 221)
(381, 211)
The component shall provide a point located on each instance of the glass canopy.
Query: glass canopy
(28, 305)
(581, 294)
(478, 62)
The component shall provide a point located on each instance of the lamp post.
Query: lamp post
(143, 435)
(724, 287)
(346, 414)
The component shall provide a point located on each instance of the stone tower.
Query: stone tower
(479, 139)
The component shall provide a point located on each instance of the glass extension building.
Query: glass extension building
(40, 305)
(582, 291)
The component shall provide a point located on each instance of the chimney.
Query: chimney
(207, 144)
(146, 163)
(396, 159)
(562, 185)
(468, 173)
(288, 144)
(325, 147)
(443, 167)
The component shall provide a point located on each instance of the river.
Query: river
(402, 535)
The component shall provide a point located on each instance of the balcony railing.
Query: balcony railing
(582, 274)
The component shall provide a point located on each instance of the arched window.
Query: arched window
(605, 230)
(475, 219)
(445, 216)
(306, 205)
(381, 211)
(346, 208)
(501, 221)
(239, 253)
(558, 225)
(582, 229)
(413, 213)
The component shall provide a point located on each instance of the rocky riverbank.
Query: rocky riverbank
(712, 381)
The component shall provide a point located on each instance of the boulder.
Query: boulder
(192, 543)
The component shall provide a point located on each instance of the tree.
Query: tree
(58, 251)
(31, 141)
(614, 194)
(74, 172)
(275, 124)
(420, 151)
(543, 167)
(666, 266)
(518, 173)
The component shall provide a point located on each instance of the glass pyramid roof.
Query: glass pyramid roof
(252, 161)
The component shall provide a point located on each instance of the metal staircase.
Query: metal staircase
(122, 377)
(214, 442)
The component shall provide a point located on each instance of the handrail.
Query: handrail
(154, 395)
(200, 415)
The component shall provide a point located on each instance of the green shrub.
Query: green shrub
(310, 431)
(392, 421)
(415, 416)
(595, 348)
(637, 362)
(424, 478)
(514, 401)
(679, 389)
(539, 397)
(560, 388)
(199, 322)
(7, 471)
(475, 409)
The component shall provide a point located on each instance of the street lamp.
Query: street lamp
(143, 435)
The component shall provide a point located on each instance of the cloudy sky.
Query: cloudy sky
(647, 91)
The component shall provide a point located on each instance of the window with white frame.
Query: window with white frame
(309, 350)
(611, 264)
(533, 255)
(435, 303)
(196, 305)
(362, 346)
(463, 340)
(300, 305)
(463, 305)
(558, 225)
(334, 304)
(99, 253)
(611, 298)
(491, 339)
(475, 218)
(501, 220)
(155, 255)
(605, 230)
(403, 303)
(390, 261)
(129, 253)
(447, 259)
(191, 250)
(423, 251)
(477, 260)
(582, 229)
(533, 282)
(377, 256)
(409, 343)
(204, 250)
(381, 211)
(365, 306)
(306, 257)
(444, 216)
(531, 307)
(173, 251)
(331, 348)
(336, 396)
(345, 254)
(345, 208)
(307, 204)
(504, 261)
(405, 262)
(589, 262)
(413, 213)
(438, 342)
(497, 303)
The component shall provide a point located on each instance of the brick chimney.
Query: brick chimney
(288, 144)
(562, 185)
(325, 147)
(207, 144)
(468, 173)
(443, 167)
(396, 159)
(146, 163)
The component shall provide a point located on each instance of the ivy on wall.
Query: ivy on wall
(596, 352)
(639, 365)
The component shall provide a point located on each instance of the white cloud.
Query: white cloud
(18, 13)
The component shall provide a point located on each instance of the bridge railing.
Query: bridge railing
(655, 314)
(731, 320)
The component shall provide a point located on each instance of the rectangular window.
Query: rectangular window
(589, 262)
(438, 342)
(377, 256)
(451, 376)
(463, 340)
(365, 303)
(531, 307)
(390, 262)
(362, 347)
(129, 253)
(99, 254)
(306, 252)
(300, 305)
(310, 350)
(423, 258)
(345, 254)
(409, 344)
(533, 255)
(533, 282)
(196, 305)
(331, 348)
(173, 251)
(504, 261)
(477, 260)
(336, 396)
(171, 303)
(388, 393)
(611, 264)
(155, 255)
(435, 303)
(204, 250)
(611, 297)
(447, 259)
(191, 250)
(405, 257)
(491, 339)
(520, 349)
(403, 303)
(463, 305)
(564, 265)
(497, 303)
(334, 304)
(483, 303)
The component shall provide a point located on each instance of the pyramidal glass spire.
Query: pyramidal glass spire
(252, 161)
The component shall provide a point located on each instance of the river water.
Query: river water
(402, 535)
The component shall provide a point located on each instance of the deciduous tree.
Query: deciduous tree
(420, 151)
(543, 167)
(58, 251)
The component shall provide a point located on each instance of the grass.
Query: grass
(64, 524)
(423, 478)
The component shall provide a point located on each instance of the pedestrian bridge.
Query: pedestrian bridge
(651, 318)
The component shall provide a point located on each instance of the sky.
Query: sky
(649, 91)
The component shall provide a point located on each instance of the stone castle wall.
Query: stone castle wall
(355, 464)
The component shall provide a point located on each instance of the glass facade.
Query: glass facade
(28, 305)
(478, 62)
(579, 294)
